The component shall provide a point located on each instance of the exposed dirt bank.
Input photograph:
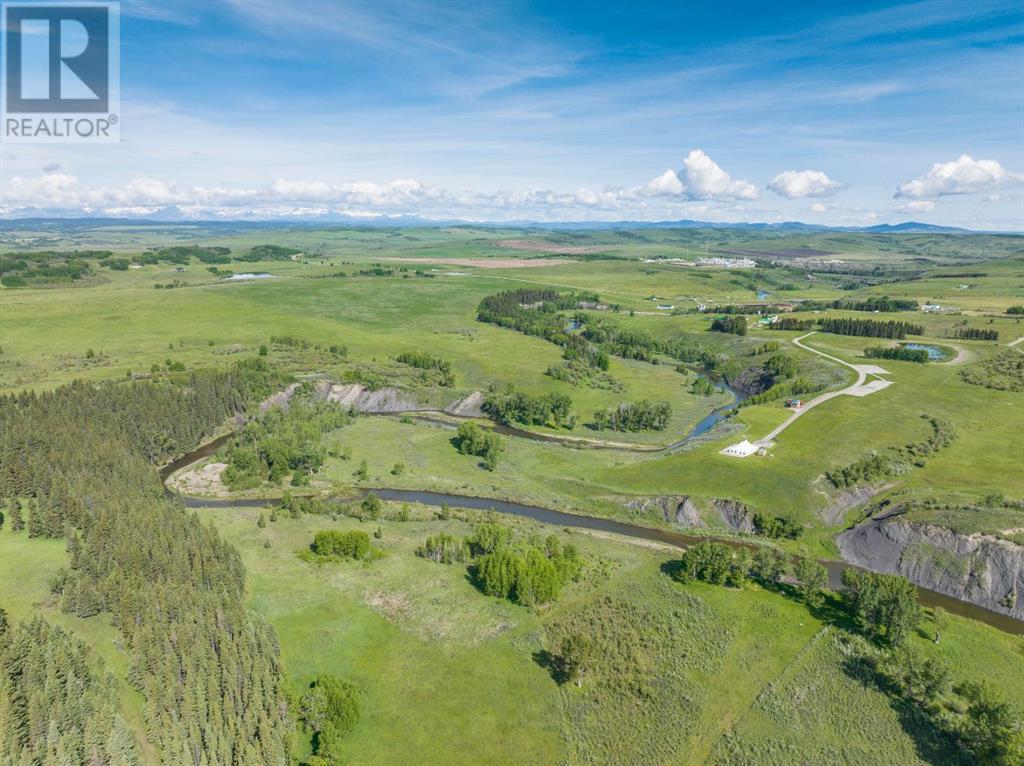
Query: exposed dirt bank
(978, 568)
(685, 511)
(204, 480)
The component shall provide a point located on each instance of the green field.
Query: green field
(692, 673)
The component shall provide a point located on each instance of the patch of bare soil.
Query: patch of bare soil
(834, 513)
(392, 606)
(201, 480)
(486, 263)
(469, 407)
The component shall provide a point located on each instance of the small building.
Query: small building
(794, 403)
(931, 308)
(742, 449)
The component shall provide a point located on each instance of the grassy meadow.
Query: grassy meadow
(690, 674)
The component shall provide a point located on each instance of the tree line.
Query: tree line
(875, 467)
(881, 303)
(423, 361)
(643, 415)
(736, 324)
(975, 333)
(900, 353)
(551, 409)
(84, 456)
(870, 328)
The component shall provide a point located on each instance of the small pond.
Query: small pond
(935, 353)
(247, 277)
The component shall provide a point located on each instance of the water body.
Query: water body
(934, 353)
(704, 425)
(248, 277)
(573, 325)
(762, 295)
(715, 416)
(573, 520)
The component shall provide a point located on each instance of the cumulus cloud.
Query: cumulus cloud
(667, 183)
(964, 175)
(701, 178)
(796, 184)
(705, 179)
(701, 188)
(818, 207)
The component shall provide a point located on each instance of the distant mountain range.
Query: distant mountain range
(409, 221)
(908, 227)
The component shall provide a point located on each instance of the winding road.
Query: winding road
(861, 388)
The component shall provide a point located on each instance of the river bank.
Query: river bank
(677, 540)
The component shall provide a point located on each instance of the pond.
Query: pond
(762, 295)
(934, 352)
(247, 277)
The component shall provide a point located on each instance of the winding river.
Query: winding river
(561, 518)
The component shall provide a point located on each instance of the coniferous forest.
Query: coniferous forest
(81, 462)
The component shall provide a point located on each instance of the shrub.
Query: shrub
(444, 549)
(331, 710)
(708, 561)
(813, 579)
(334, 544)
(424, 361)
(776, 526)
(768, 565)
(526, 573)
(488, 537)
(471, 439)
(884, 606)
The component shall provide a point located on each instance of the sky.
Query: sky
(845, 114)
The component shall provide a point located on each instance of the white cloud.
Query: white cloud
(964, 175)
(667, 183)
(62, 194)
(917, 206)
(795, 184)
(705, 179)
(818, 207)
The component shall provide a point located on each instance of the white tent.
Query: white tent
(742, 449)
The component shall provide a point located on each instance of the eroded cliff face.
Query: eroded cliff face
(738, 516)
(978, 568)
(683, 510)
(677, 508)
(350, 396)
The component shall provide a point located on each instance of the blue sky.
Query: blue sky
(845, 114)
